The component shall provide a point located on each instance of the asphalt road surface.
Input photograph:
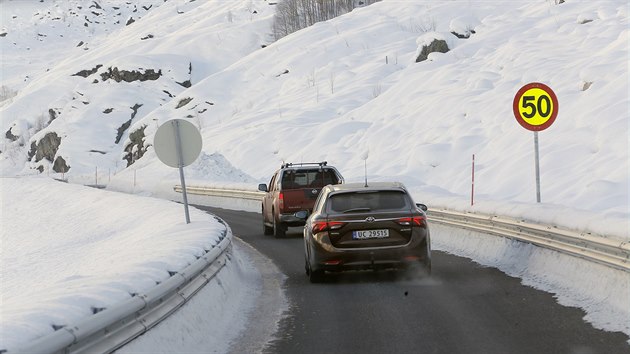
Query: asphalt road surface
(462, 308)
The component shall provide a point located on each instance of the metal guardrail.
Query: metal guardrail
(217, 192)
(116, 326)
(607, 251)
(595, 248)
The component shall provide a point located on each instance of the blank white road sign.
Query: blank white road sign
(165, 143)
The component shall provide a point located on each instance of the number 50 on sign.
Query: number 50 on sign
(535, 106)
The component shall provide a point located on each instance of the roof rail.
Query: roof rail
(291, 164)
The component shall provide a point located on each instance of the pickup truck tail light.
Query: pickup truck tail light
(281, 201)
(319, 226)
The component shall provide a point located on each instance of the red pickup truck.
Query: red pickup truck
(294, 187)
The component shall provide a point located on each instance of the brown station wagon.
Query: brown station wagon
(354, 226)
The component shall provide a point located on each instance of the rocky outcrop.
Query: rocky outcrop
(121, 130)
(88, 72)
(60, 165)
(130, 76)
(135, 149)
(437, 45)
(183, 102)
(9, 135)
(47, 147)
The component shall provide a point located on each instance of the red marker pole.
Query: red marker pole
(472, 187)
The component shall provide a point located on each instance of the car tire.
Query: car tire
(279, 230)
(316, 276)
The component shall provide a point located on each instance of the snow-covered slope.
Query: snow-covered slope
(339, 90)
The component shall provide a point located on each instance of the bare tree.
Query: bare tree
(293, 15)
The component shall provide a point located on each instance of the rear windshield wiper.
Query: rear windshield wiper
(352, 210)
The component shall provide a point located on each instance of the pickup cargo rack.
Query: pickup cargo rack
(291, 164)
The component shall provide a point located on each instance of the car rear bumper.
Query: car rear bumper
(325, 256)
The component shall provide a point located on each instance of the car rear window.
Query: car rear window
(315, 178)
(368, 201)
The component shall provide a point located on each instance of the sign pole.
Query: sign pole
(180, 157)
(537, 157)
(179, 152)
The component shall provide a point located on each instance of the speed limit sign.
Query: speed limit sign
(535, 106)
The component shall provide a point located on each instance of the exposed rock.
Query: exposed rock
(9, 135)
(52, 114)
(60, 165)
(135, 149)
(47, 147)
(121, 130)
(437, 45)
(286, 71)
(127, 124)
(108, 110)
(86, 73)
(130, 76)
(183, 102)
(464, 35)
(130, 21)
(32, 151)
(135, 110)
(186, 83)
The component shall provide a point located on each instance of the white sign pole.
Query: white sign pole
(537, 157)
(180, 156)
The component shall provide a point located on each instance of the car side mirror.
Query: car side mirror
(422, 206)
(302, 214)
(262, 187)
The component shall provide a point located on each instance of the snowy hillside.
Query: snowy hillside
(336, 91)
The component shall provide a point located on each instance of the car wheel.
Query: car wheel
(316, 276)
(267, 230)
(278, 229)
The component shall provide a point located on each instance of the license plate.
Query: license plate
(362, 235)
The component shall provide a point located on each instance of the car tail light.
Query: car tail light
(281, 201)
(333, 262)
(319, 226)
(413, 221)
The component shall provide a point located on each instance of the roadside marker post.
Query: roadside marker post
(472, 185)
(535, 108)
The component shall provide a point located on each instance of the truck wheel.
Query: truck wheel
(267, 230)
(279, 230)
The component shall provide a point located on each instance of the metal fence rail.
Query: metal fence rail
(596, 248)
(116, 326)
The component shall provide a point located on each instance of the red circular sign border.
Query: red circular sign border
(517, 113)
